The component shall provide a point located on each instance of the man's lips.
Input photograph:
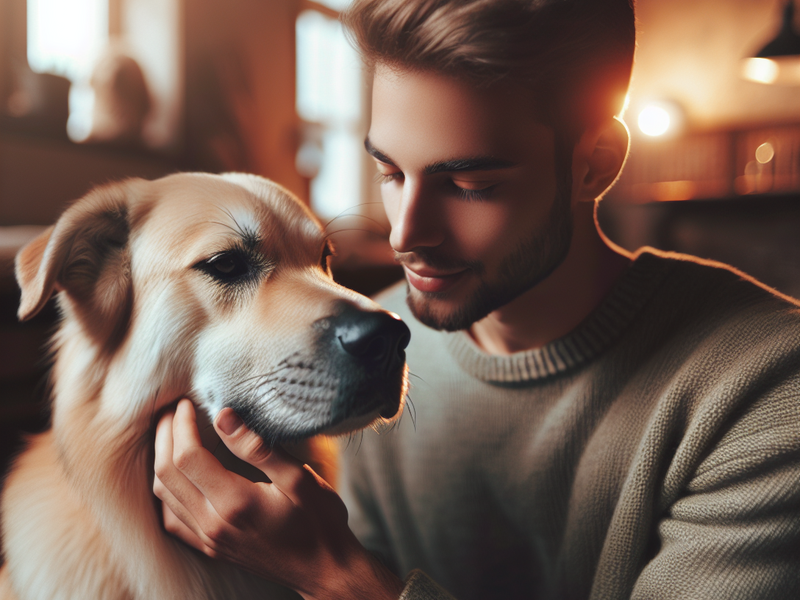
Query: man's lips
(431, 280)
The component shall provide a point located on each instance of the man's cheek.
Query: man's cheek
(480, 227)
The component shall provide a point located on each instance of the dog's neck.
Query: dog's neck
(113, 460)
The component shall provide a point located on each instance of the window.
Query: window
(67, 37)
(330, 101)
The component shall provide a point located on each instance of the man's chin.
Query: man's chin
(441, 313)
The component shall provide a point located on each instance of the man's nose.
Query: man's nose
(417, 220)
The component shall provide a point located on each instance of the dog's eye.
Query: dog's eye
(226, 266)
(327, 252)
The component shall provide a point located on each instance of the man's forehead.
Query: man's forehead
(452, 165)
(438, 118)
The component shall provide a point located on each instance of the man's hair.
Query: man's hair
(576, 55)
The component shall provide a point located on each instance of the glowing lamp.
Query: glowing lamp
(779, 60)
(761, 70)
(658, 119)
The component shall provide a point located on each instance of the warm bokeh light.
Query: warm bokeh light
(761, 70)
(66, 37)
(765, 153)
(654, 120)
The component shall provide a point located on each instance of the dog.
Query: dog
(213, 287)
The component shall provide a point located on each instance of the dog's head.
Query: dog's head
(217, 288)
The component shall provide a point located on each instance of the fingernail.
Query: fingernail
(228, 421)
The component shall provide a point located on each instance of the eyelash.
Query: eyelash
(464, 194)
(386, 178)
(474, 195)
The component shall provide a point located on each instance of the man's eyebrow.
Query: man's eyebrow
(478, 163)
(374, 152)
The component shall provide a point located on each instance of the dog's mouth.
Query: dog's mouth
(305, 408)
(352, 374)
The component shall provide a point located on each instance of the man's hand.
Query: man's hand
(293, 531)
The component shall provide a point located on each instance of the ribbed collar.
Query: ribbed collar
(596, 333)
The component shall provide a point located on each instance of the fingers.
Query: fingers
(255, 525)
(230, 494)
(180, 460)
(175, 525)
(206, 496)
(197, 465)
(171, 504)
(296, 481)
(166, 472)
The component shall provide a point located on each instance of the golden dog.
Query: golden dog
(211, 287)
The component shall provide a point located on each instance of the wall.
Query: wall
(240, 87)
(690, 51)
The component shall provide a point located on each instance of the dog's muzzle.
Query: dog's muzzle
(353, 373)
(369, 349)
(377, 339)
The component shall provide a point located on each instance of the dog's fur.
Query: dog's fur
(148, 319)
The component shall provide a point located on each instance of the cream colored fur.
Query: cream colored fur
(141, 328)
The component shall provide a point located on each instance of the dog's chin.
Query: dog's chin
(296, 414)
(377, 418)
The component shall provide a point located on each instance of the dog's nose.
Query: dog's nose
(378, 339)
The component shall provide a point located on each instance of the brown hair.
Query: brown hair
(577, 54)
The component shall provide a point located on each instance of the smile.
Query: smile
(428, 280)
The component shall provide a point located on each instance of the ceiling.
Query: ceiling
(690, 53)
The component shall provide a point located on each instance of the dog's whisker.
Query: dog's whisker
(327, 235)
(257, 380)
(226, 226)
(282, 366)
(412, 411)
(238, 228)
(360, 440)
(344, 212)
(380, 225)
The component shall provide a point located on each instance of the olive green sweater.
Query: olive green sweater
(652, 453)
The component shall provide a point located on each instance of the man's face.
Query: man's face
(469, 183)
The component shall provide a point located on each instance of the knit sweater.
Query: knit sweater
(651, 453)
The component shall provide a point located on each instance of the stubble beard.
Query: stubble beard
(527, 265)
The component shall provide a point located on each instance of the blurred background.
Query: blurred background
(98, 90)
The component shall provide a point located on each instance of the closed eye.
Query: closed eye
(475, 195)
(387, 177)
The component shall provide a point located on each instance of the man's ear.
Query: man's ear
(598, 158)
(86, 256)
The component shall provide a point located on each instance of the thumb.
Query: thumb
(283, 469)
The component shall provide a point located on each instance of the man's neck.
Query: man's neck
(563, 300)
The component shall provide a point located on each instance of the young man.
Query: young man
(589, 424)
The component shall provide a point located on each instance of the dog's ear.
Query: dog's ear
(36, 290)
(85, 255)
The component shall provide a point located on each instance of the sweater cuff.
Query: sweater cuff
(421, 587)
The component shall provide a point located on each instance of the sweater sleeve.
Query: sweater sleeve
(735, 530)
(421, 587)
